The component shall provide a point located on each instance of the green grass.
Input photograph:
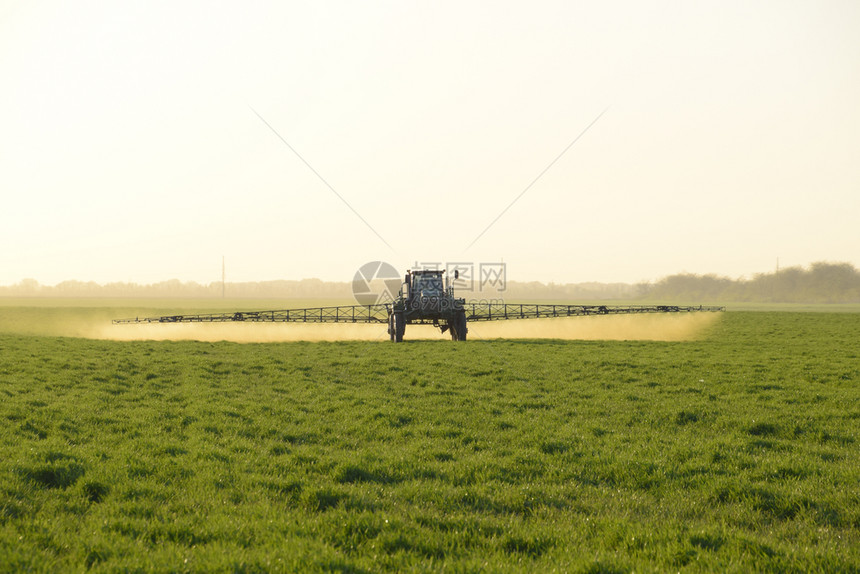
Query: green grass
(737, 452)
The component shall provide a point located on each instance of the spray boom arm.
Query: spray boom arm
(381, 313)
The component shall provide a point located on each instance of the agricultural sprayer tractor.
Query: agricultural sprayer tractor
(425, 298)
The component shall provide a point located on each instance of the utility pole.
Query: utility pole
(775, 286)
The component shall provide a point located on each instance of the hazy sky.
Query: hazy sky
(130, 149)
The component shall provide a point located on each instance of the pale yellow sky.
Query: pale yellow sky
(130, 150)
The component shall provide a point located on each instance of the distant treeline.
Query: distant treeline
(820, 283)
(558, 291)
(304, 288)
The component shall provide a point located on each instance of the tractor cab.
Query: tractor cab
(422, 284)
(429, 284)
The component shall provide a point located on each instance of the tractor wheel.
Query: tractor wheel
(399, 327)
(452, 328)
(460, 321)
(391, 326)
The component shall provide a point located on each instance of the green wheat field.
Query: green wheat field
(737, 451)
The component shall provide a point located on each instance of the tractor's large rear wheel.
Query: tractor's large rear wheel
(399, 327)
(391, 326)
(461, 326)
(457, 326)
